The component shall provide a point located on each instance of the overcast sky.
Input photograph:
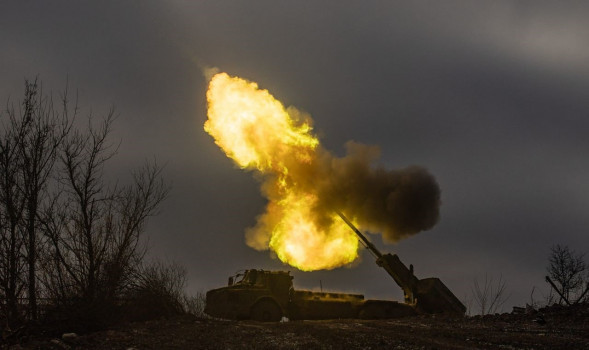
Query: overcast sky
(491, 97)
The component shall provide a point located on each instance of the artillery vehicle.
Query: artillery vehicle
(269, 295)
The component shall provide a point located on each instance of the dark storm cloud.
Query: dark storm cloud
(490, 97)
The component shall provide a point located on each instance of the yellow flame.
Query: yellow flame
(259, 133)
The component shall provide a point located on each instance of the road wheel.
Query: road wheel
(266, 311)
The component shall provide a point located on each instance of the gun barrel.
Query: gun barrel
(367, 243)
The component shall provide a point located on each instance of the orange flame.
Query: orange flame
(259, 133)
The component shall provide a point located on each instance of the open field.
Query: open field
(554, 328)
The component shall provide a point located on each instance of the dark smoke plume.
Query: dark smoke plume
(396, 203)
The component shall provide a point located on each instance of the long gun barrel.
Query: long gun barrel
(429, 295)
(391, 263)
(365, 240)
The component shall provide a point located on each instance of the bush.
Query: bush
(156, 292)
(195, 304)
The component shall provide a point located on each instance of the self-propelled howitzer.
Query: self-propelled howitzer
(428, 295)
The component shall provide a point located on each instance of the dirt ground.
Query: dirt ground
(553, 328)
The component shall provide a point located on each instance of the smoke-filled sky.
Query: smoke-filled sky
(492, 98)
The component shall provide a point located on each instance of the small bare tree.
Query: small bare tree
(489, 297)
(195, 304)
(157, 290)
(568, 269)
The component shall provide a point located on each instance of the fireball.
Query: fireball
(260, 134)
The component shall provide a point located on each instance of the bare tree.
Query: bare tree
(568, 269)
(94, 229)
(12, 204)
(32, 136)
(65, 233)
(44, 130)
(489, 297)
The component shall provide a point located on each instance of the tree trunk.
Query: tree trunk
(11, 295)
(31, 260)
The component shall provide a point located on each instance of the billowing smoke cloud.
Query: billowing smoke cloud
(396, 203)
(306, 185)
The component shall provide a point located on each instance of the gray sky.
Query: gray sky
(491, 97)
